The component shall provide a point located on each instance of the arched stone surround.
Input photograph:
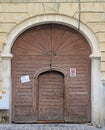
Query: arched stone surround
(96, 88)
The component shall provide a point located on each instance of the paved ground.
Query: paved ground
(47, 127)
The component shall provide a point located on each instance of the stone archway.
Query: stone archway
(95, 56)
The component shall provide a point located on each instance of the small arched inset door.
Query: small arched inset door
(51, 97)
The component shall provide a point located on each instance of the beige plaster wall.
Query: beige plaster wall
(92, 14)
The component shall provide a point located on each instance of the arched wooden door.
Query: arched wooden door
(51, 46)
(51, 97)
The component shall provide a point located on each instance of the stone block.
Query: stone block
(6, 27)
(97, 26)
(0, 86)
(51, 7)
(0, 72)
(68, 8)
(1, 46)
(93, 6)
(103, 56)
(101, 36)
(86, 17)
(102, 46)
(13, 7)
(34, 8)
(102, 75)
(102, 66)
(13, 17)
(3, 37)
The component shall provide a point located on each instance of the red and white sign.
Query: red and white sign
(72, 72)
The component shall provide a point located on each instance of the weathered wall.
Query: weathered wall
(92, 14)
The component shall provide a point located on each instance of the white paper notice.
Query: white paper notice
(25, 79)
(72, 72)
(4, 101)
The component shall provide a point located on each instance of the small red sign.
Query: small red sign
(72, 72)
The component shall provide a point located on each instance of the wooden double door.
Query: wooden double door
(43, 89)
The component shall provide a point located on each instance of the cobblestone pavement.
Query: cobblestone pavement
(47, 127)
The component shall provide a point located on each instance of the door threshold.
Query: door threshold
(47, 122)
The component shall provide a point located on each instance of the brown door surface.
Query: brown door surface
(45, 48)
(51, 94)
